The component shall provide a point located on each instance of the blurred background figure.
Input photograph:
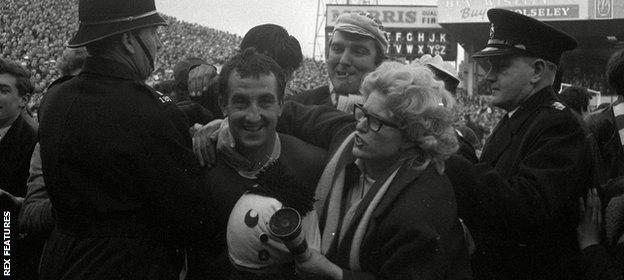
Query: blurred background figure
(71, 62)
(577, 98)
(274, 41)
(607, 124)
(18, 137)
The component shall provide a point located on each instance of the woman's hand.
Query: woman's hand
(590, 223)
(317, 264)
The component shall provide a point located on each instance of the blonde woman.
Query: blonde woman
(386, 209)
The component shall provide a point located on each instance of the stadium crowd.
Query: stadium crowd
(399, 175)
(35, 34)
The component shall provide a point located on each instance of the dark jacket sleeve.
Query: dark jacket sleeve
(600, 265)
(36, 214)
(177, 194)
(320, 125)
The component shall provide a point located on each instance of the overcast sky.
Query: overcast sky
(238, 16)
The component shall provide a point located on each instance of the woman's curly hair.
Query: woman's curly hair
(421, 106)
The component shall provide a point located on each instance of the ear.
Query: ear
(223, 105)
(24, 100)
(280, 105)
(539, 68)
(126, 42)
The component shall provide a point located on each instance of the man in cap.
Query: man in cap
(535, 165)
(357, 46)
(443, 71)
(117, 156)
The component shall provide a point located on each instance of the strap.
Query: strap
(130, 18)
(147, 53)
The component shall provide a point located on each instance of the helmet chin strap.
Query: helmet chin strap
(147, 53)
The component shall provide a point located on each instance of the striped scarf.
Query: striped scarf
(618, 113)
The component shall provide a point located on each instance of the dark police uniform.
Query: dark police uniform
(532, 171)
(122, 178)
(534, 167)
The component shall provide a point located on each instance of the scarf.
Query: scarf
(618, 113)
(344, 102)
(330, 191)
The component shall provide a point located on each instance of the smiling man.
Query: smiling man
(537, 162)
(251, 86)
(357, 46)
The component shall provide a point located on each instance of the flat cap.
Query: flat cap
(363, 24)
(514, 33)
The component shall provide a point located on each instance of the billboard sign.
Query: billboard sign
(412, 30)
(474, 11)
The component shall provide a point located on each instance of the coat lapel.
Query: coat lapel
(506, 130)
(497, 142)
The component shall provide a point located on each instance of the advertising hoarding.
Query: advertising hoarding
(474, 11)
(412, 30)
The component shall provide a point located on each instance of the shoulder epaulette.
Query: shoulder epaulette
(558, 105)
(161, 97)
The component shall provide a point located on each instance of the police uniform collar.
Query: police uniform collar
(543, 97)
(110, 68)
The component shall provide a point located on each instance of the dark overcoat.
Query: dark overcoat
(414, 232)
(121, 175)
(533, 169)
(15, 150)
(603, 128)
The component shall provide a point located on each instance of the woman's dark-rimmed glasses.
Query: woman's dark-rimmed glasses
(374, 122)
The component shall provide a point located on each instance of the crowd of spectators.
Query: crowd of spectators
(480, 112)
(310, 75)
(35, 34)
(590, 80)
(181, 39)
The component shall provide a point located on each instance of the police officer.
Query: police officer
(537, 162)
(117, 156)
